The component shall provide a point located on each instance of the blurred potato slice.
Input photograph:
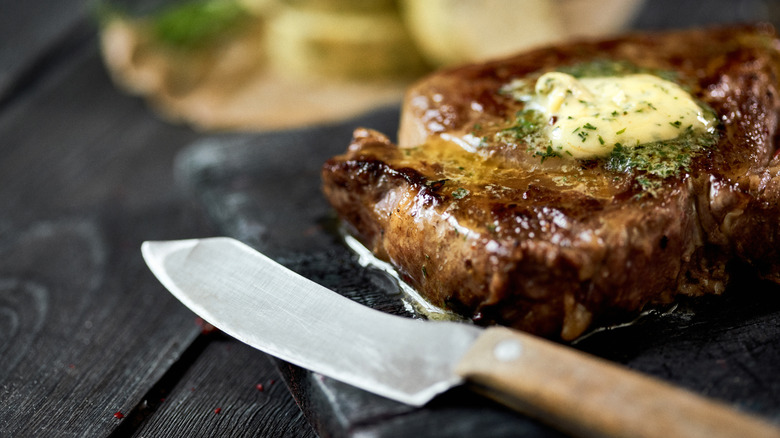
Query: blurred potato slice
(344, 44)
(341, 5)
(453, 31)
(456, 31)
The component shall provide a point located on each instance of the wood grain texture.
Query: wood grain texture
(218, 396)
(93, 328)
(86, 331)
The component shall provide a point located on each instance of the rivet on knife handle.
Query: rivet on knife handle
(588, 396)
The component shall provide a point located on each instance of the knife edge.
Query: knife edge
(259, 302)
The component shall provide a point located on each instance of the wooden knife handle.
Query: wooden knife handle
(588, 396)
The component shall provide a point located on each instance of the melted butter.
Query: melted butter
(589, 116)
(458, 173)
(454, 160)
(412, 300)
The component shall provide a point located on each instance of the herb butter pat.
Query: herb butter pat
(589, 116)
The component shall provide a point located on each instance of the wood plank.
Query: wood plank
(85, 330)
(219, 396)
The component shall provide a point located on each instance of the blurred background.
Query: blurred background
(268, 64)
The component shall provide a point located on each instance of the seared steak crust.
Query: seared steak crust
(554, 246)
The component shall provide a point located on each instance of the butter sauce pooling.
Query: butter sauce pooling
(587, 117)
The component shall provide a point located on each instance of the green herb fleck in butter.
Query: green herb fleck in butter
(587, 117)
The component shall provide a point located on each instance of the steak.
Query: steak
(480, 224)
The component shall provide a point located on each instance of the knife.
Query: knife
(267, 306)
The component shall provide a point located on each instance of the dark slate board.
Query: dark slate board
(265, 190)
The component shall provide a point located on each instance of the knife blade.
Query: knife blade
(265, 305)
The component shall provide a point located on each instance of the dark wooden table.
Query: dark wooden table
(90, 343)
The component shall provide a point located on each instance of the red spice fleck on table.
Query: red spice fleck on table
(119, 415)
(259, 387)
(205, 327)
(218, 410)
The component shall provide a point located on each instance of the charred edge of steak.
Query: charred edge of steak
(496, 276)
